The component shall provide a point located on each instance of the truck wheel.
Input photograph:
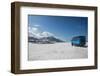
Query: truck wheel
(72, 44)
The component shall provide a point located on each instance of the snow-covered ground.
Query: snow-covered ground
(56, 51)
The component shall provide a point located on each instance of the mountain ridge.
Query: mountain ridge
(44, 40)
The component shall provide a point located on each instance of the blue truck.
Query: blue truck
(78, 41)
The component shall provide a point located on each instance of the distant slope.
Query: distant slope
(35, 35)
(44, 40)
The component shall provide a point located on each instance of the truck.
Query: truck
(78, 41)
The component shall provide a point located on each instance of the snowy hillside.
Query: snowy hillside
(43, 37)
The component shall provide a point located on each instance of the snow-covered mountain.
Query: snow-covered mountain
(43, 37)
(44, 40)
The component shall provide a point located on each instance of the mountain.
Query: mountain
(44, 40)
(53, 39)
(32, 39)
(36, 35)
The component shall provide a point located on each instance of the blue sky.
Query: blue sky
(63, 27)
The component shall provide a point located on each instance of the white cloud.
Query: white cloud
(35, 29)
(36, 25)
(36, 32)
